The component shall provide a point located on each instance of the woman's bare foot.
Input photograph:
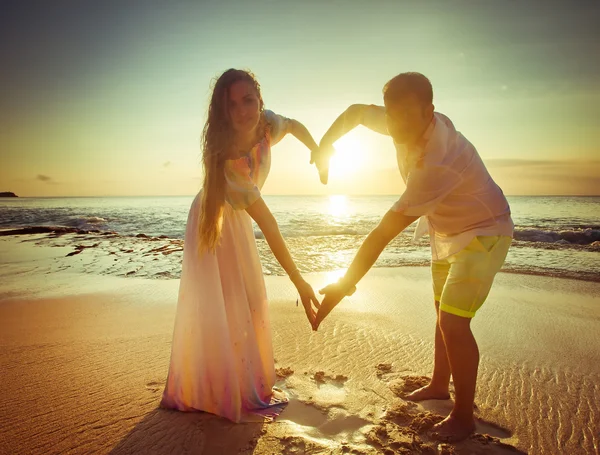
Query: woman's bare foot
(428, 393)
(278, 396)
(453, 429)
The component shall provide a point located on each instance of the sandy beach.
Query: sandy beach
(84, 358)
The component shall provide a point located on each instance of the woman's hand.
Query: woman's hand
(321, 158)
(309, 299)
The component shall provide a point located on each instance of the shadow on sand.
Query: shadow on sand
(171, 432)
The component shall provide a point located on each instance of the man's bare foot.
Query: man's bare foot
(428, 393)
(453, 429)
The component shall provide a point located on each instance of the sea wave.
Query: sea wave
(58, 230)
(578, 236)
(584, 236)
(92, 219)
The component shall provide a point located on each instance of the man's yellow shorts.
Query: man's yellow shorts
(462, 281)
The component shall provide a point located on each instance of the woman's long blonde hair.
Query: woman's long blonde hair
(217, 137)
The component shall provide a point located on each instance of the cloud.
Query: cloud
(46, 179)
(510, 162)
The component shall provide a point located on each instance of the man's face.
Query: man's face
(407, 119)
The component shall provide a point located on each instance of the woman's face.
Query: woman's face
(244, 107)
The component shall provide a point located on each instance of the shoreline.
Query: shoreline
(159, 257)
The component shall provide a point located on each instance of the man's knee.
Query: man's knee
(453, 325)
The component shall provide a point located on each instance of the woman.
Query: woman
(222, 355)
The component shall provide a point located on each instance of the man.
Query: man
(469, 223)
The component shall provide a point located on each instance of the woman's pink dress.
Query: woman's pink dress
(222, 353)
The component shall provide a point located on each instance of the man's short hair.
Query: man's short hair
(405, 84)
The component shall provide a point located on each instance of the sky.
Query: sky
(108, 98)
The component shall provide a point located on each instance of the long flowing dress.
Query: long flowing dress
(222, 353)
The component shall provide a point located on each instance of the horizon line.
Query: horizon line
(276, 195)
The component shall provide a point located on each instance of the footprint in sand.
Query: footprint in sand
(320, 377)
(478, 444)
(409, 415)
(407, 384)
(491, 430)
(390, 438)
(383, 369)
(386, 373)
(489, 444)
(293, 445)
(154, 386)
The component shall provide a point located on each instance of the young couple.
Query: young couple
(222, 354)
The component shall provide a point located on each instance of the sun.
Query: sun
(348, 158)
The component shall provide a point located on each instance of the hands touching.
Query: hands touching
(334, 293)
(317, 311)
(321, 157)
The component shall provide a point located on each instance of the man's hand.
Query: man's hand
(334, 293)
(333, 287)
(321, 158)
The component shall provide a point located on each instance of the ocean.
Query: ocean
(554, 236)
